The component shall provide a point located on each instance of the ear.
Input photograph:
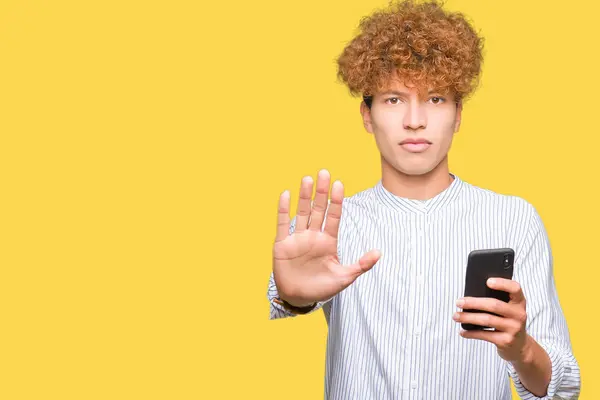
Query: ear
(366, 116)
(459, 107)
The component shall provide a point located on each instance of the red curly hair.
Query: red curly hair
(426, 46)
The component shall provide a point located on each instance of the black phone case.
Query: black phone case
(482, 265)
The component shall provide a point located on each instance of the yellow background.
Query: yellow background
(143, 146)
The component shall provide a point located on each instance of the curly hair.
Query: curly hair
(426, 46)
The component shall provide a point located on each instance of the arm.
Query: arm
(277, 310)
(549, 362)
(306, 267)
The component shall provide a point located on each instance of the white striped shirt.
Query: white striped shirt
(391, 334)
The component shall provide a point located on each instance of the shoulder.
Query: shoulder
(362, 202)
(498, 203)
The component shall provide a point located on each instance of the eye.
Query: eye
(437, 100)
(392, 100)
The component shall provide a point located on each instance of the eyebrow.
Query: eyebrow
(399, 93)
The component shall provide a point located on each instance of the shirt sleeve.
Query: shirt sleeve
(277, 310)
(545, 319)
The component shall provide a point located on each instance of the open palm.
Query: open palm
(306, 268)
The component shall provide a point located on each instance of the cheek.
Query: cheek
(444, 130)
(444, 141)
(388, 126)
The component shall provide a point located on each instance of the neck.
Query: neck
(417, 187)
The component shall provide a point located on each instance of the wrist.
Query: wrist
(294, 302)
(295, 308)
(527, 355)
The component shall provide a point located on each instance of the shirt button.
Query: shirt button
(414, 384)
(418, 332)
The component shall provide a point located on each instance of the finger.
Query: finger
(490, 305)
(334, 211)
(496, 338)
(283, 216)
(320, 204)
(484, 319)
(303, 212)
(507, 285)
(365, 263)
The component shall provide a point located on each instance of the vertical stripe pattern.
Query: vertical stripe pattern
(391, 333)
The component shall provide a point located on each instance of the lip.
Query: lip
(414, 141)
(415, 145)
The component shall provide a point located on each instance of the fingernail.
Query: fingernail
(460, 302)
(455, 317)
(491, 281)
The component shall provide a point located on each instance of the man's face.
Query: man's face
(413, 133)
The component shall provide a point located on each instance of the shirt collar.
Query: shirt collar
(403, 204)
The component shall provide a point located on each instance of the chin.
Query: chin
(413, 166)
(415, 169)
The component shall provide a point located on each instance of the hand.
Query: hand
(510, 336)
(306, 268)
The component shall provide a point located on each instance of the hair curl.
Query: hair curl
(425, 45)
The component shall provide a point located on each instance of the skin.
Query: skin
(399, 113)
(514, 345)
(305, 265)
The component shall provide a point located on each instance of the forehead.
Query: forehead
(396, 84)
(400, 87)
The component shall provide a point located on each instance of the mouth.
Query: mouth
(415, 146)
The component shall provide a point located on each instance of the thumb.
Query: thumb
(366, 262)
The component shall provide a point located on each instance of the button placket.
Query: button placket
(421, 254)
(413, 294)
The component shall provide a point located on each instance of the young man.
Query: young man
(387, 265)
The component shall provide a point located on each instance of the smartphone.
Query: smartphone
(482, 265)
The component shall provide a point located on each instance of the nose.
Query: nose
(415, 117)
